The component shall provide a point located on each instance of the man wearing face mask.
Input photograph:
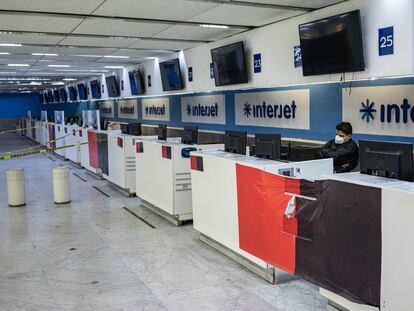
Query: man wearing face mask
(342, 149)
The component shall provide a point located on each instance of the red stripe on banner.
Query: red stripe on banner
(120, 142)
(166, 152)
(193, 162)
(140, 147)
(261, 206)
(93, 149)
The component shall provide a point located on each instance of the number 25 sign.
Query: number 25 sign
(386, 41)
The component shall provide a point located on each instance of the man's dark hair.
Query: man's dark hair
(344, 127)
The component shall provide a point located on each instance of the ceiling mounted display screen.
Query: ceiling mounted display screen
(229, 64)
(82, 91)
(171, 75)
(56, 96)
(332, 45)
(95, 89)
(136, 82)
(72, 93)
(63, 95)
(112, 86)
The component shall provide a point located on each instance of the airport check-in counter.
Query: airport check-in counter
(39, 125)
(98, 150)
(84, 148)
(60, 139)
(235, 228)
(121, 159)
(73, 153)
(163, 178)
(375, 254)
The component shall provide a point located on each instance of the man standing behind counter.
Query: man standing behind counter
(342, 149)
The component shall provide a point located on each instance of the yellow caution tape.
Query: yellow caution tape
(18, 130)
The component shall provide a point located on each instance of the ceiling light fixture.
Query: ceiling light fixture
(44, 54)
(94, 56)
(69, 79)
(214, 26)
(4, 53)
(115, 56)
(114, 67)
(18, 65)
(10, 44)
(59, 66)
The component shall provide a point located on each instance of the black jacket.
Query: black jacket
(345, 156)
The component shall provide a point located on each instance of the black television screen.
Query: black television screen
(229, 64)
(50, 97)
(72, 93)
(82, 91)
(112, 86)
(45, 98)
(235, 142)
(56, 96)
(63, 96)
(136, 82)
(171, 75)
(96, 89)
(332, 45)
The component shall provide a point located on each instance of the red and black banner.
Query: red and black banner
(332, 237)
(166, 152)
(52, 136)
(139, 147)
(197, 163)
(93, 149)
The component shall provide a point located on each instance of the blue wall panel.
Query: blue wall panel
(13, 106)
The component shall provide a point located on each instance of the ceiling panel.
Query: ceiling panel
(119, 28)
(299, 3)
(95, 41)
(30, 38)
(168, 45)
(195, 33)
(63, 6)
(155, 9)
(37, 23)
(243, 15)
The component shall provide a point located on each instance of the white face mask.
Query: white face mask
(339, 140)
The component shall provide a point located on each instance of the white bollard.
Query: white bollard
(16, 189)
(61, 184)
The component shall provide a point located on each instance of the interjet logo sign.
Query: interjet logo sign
(203, 109)
(128, 109)
(156, 109)
(283, 109)
(106, 108)
(380, 110)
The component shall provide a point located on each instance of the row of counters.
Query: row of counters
(349, 234)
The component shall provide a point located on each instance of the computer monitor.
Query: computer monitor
(386, 159)
(162, 132)
(235, 142)
(124, 128)
(267, 146)
(134, 129)
(190, 135)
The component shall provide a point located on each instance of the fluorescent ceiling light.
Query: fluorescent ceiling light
(8, 72)
(115, 56)
(59, 66)
(69, 79)
(44, 54)
(18, 65)
(10, 44)
(4, 53)
(94, 56)
(114, 67)
(214, 26)
(58, 83)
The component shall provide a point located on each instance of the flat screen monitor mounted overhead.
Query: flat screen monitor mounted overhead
(162, 132)
(229, 64)
(82, 91)
(45, 98)
(112, 86)
(190, 135)
(267, 146)
(96, 89)
(386, 159)
(171, 75)
(136, 82)
(235, 142)
(332, 45)
(50, 97)
(72, 93)
(56, 96)
(63, 95)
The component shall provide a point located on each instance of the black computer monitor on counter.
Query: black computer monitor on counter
(386, 159)
(267, 146)
(235, 142)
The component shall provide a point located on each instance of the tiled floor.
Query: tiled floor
(91, 254)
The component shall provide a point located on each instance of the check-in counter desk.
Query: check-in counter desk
(163, 178)
(39, 125)
(121, 160)
(369, 243)
(239, 204)
(73, 153)
(60, 139)
(98, 150)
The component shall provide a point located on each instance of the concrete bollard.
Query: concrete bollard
(61, 184)
(16, 189)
